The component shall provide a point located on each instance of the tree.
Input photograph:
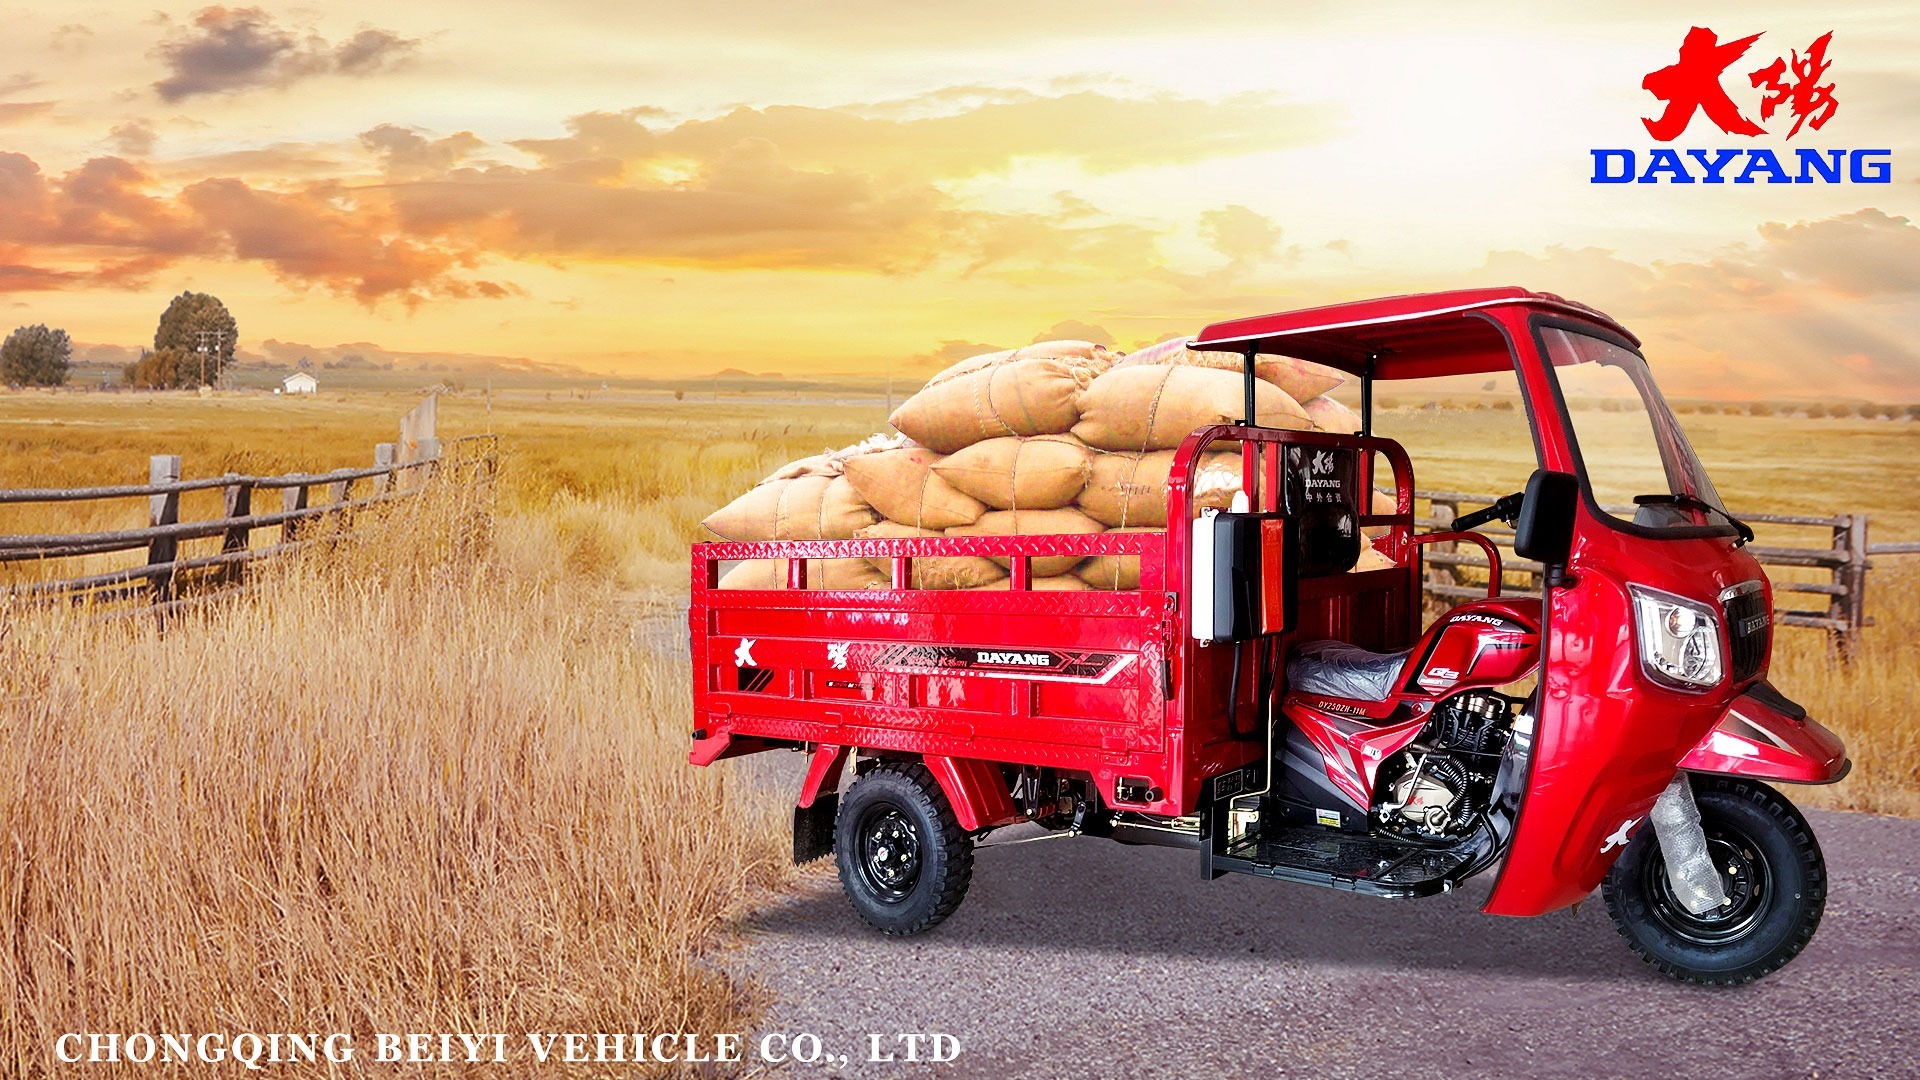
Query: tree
(162, 369)
(197, 334)
(36, 356)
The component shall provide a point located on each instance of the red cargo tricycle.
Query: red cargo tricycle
(1258, 700)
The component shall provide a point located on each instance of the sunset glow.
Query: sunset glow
(858, 187)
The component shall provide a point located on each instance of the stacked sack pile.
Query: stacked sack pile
(1060, 437)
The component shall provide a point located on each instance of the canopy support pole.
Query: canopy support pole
(1249, 421)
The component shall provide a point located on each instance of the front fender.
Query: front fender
(1765, 736)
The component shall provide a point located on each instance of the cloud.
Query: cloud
(371, 51)
(102, 204)
(70, 39)
(102, 216)
(232, 49)
(311, 237)
(868, 188)
(1074, 330)
(134, 138)
(1865, 253)
(405, 151)
(1239, 233)
(950, 352)
(1831, 296)
(14, 112)
(1104, 132)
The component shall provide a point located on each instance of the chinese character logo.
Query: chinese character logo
(1693, 85)
(1808, 101)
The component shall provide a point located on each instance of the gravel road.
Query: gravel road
(1081, 957)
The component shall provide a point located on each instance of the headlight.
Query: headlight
(1679, 639)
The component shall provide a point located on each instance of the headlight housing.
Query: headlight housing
(1679, 640)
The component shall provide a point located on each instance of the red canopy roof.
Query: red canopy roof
(1406, 337)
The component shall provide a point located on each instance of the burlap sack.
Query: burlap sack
(803, 508)
(1011, 473)
(1033, 523)
(1127, 490)
(1113, 571)
(1383, 503)
(821, 574)
(1096, 357)
(1057, 583)
(945, 572)
(1370, 559)
(1024, 397)
(902, 485)
(1154, 407)
(817, 465)
(1329, 415)
(1300, 379)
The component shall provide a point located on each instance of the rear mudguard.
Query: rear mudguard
(975, 789)
(1765, 736)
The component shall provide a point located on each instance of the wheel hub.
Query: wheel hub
(1745, 876)
(889, 854)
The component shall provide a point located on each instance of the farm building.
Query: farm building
(300, 383)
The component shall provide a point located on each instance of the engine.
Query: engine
(1439, 788)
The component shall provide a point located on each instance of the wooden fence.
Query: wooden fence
(1839, 603)
(399, 471)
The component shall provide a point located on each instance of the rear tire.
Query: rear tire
(1773, 873)
(905, 862)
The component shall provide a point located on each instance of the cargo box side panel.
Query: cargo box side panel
(1064, 679)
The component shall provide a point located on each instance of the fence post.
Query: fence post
(239, 505)
(1443, 515)
(291, 499)
(383, 458)
(419, 440)
(163, 509)
(1856, 579)
(339, 490)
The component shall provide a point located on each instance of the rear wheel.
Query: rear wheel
(904, 860)
(1773, 873)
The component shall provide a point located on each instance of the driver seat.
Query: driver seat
(1337, 669)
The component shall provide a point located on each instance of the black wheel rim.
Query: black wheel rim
(1746, 876)
(889, 854)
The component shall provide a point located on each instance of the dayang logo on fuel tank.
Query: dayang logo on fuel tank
(1789, 97)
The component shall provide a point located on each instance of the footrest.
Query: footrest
(1344, 860)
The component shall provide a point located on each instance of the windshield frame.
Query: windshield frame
(1656, 403)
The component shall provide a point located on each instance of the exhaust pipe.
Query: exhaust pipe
(1683, 844)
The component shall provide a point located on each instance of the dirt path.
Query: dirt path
(1085, 958)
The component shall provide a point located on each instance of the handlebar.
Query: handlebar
(1507, 510)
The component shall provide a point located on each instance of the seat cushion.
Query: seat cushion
(1337, 669)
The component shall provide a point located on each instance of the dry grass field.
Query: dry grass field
(433, 781)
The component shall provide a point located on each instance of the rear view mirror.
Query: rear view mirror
(1545, 531)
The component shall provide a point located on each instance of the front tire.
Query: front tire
(1774, 875)
(905, 862)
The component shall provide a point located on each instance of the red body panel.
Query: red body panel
(1608, 738)
(975, 790)
(1480, 644)
(1758, 740)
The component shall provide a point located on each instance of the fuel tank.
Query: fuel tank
(1481, 643)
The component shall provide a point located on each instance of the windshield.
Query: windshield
(1634, 459)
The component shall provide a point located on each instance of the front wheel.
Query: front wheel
(904, 860)
(1775, 880)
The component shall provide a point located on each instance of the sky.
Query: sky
(849, 186)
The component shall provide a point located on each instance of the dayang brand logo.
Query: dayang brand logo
(1792, 93)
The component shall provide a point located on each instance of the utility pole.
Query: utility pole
(210, 341)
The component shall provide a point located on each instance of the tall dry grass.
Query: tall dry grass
(1871, 697)
(406, 785)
